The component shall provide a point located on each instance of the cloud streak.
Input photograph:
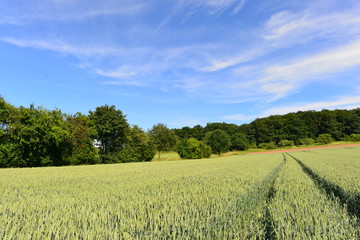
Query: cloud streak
(66, 11)
(280, 80)
(213, 67)
(342, 102)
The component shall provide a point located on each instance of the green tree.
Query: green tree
(84, 151)
(193, 149)
(39, 138)
(240, 142)
(324, 138)
(6, 145)
(163, 138)
(219, 141)
(112, 131)
(139, 147)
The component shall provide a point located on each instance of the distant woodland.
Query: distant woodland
(34, 136)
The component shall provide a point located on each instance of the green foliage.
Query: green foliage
(267, 146)
(193, 149)
(84, 151)
(163, 138)
(112, 131)
(239, 141)
(187, 132)
(286, 143)
(139, 147)
(324, 138)
(300, 210)
(355, 137)
(203, 199)
(39, 138)
(306, 141)
(218, 140)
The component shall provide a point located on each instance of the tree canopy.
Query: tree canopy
(163, 138)
(219, 141)
(34, 136)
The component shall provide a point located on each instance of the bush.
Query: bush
(355, 137)
(286, 143)
(306, 141)
(239, 142)
(193, 149)
(267, 146)
(324, 138)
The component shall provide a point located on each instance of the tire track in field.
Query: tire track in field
(333, 190)
(269, 222)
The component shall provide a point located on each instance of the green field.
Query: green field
(300, 195)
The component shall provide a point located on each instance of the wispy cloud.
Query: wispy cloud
(65, 11)
(342, 102)
(238, 117)
(216, 6)
(288, 28)
(280, 80)
(62, 47)
(177, 58)
(117, 73)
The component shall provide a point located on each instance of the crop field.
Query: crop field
(301, 195)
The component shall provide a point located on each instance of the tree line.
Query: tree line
(34, 136)
(300, 128)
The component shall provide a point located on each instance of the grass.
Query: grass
(222, 198)
(235, 197)
(301, 210)
(172, 155)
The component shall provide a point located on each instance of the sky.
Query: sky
(181, 62)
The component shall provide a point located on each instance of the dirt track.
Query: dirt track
(302, 149)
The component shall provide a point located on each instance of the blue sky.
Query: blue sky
(182, 62)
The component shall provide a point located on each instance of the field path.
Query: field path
(302, 149)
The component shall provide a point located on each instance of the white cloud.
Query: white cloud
(217, 64)
(280, 80)
(238, 117)
(73, 10)
(217, 6)
(117, 73)
(287, 28)
(60, 46)
(345, 102)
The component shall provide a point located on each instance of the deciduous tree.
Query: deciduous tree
(163, 138)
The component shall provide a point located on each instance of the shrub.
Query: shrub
(286, 143)
(193, 149)
(355, 137)
(324, 138)
(306, 141)
(267, 146)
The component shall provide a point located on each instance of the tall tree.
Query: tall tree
(112, 130)
(84, 151)
(163, 138)
(139, 147)
(219, 141)
(39, 138)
